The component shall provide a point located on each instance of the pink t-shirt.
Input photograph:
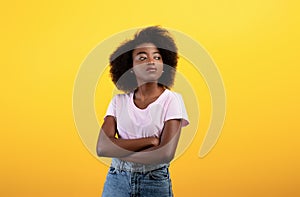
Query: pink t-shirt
(133, 122)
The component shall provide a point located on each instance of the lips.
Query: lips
(151, 69)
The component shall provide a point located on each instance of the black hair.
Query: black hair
(121, 59)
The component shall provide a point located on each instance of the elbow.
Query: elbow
(168, 156)
(105, 148)
(101, 152)
(102, 148)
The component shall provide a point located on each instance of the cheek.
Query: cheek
(134, 64)
(160, 67)
(137, 68)
(137, 63)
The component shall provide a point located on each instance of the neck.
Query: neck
(149, 90)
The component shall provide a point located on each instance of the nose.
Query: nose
(151, 61)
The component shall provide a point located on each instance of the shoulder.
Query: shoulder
(176, 108)
(122, 97)
(173, 95)
(175, 100)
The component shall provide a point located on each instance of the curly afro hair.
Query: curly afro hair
(121, 59)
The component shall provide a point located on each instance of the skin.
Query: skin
(147, 64)
(147, 67)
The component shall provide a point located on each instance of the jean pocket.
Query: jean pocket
(159, 174)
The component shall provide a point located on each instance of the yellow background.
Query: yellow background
(254, 43)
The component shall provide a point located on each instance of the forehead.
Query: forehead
(145, 47)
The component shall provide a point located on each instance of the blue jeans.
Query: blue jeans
(154, 183)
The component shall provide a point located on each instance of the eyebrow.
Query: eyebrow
(143, 52)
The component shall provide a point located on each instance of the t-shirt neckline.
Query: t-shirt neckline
(159, 97)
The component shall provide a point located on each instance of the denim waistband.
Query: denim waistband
(135, 167)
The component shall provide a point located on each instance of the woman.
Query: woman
(141, 128)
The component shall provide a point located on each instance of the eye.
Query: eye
(142, 58)
(157, 57)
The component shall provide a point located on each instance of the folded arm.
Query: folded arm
(165, 151)
(110, 146)
(149, 150)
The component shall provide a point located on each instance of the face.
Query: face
(147, 63)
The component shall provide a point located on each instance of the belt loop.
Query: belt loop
(121, 165)
(144, 169)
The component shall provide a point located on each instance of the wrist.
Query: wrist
(154, 141)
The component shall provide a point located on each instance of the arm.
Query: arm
(165, 151)
(110, 146)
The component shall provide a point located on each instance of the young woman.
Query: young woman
(141, 128)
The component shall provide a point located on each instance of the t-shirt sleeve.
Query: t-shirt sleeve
(176, 110)
(111, 110)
